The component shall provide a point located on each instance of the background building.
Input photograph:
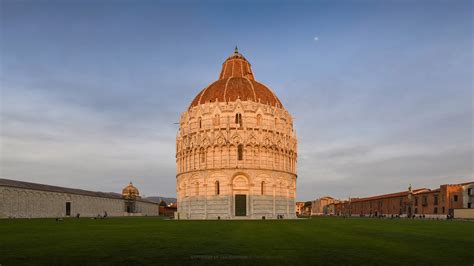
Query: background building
(299, 207)
(320, 206)
(436, 203)
(236, 150)
(30, 200)
(167, 210)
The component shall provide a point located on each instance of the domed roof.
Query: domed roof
(236, 81)
(130, 192)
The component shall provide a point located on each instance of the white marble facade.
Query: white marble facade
(236, 159)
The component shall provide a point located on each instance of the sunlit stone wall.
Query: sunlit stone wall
(225, 149)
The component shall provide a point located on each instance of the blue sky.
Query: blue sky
(382, 99)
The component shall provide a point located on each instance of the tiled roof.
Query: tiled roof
(428, 191)
(236, 66)
(391, 195)
(236, 81)
(327, 197)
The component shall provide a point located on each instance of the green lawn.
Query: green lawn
(149, 240)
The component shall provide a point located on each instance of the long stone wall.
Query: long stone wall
(28, 203)
(147, 208)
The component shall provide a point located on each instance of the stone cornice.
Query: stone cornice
(235, 168)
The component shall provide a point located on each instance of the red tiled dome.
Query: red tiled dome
(236, 81)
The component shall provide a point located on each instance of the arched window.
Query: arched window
(240, 152)
(238, 119)
(197, 188)
(262, 187)
(217, 120)
(217, 188)
(200, 122)
(259, 120)
(276, 122)
(202, 154)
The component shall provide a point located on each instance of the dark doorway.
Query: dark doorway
(240, 205)
(68, 209)
(130, 206)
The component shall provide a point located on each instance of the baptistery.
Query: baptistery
(236, 150)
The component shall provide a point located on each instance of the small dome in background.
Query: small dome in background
(130, 192)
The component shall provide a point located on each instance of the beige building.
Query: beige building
(236, 150)
(321, 206)
(30, 200)
(299, 207)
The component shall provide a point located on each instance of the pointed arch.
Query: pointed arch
(202, 155)
(238, 119)
(217, 120)
(240, 152)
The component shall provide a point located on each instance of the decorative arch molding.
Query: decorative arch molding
(264, 177)
(240, 173)
(236, 139)
(196, 177)
(205, 142)
(238, 106)
(267, 153)
(216, 176)
(240, 183)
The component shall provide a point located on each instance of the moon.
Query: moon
(316, 38)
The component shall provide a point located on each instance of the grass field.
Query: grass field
(135, 241)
